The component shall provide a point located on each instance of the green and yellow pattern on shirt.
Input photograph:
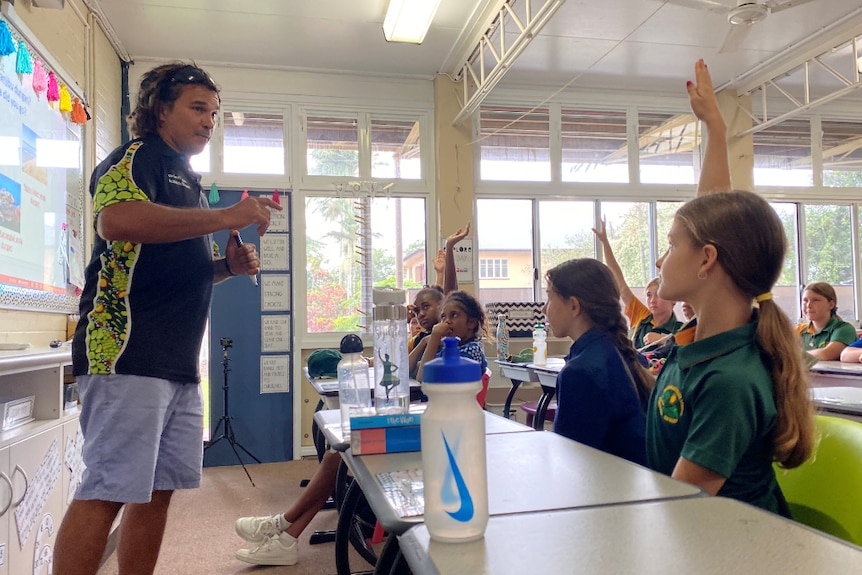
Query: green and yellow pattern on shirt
(109, 320)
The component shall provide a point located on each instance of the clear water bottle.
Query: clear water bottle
(540, 345)
(502, 337)
(354, 382)
(453, 448)
(391, 364)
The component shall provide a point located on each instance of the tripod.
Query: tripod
(226, 418)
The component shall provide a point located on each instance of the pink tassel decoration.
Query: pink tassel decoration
(79, 115)
(40, 78)
(53, 89)
(65, 99)
(244, 195)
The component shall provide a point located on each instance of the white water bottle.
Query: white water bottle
(453, 448)
(391, 362)
(540, 345)
(354, 383)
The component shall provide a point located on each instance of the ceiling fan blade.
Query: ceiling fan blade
(715, 6)
(734, 39)
(779, 5)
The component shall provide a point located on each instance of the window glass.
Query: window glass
(395, 149)
(594, 146)
(566, 233)
(505, 232)
(497, 268)
(201, 162)
(829, 252)
(842, 154)
(353, 245)
(628, 231)
(332, 147)
(515, 144)
(782, 154)
(668, 145)
(253, 143)
(786, 290)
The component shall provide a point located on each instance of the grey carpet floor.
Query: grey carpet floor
(200, 538)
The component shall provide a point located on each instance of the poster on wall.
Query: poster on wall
(463, 259)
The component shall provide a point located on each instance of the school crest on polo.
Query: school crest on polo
(671, 405)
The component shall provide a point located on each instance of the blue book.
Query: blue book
(393, 420)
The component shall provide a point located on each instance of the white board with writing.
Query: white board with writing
(275, 252)
(278, 221)
(463, 251)
(274, 374)
(275, 292)
(275, 333)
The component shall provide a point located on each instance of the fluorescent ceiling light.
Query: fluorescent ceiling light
(409, 20)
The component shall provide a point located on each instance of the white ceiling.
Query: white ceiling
(644, 45)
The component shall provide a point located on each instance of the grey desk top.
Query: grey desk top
(518, 371)
(534, 471)
(839, 399)
(696, 536)
(838, 367)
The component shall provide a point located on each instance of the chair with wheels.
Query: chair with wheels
(825, 492)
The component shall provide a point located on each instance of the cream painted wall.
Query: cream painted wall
(64, 35)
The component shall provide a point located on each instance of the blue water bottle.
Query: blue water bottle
(453, 448)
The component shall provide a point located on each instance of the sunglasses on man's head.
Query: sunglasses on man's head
(187, 75)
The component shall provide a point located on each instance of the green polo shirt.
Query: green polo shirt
(835, 329)
(713, 405)
(643, 322)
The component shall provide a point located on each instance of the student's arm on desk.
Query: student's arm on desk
(699, 476)
(831, 352)
(851, 354)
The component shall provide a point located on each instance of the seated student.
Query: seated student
(736, 399)
(464, 317)
(825, 335)
(651, 322)
(853, 352)
(602, 391)
(427, 305)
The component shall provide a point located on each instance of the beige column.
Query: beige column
(740, 150)
(454, 163)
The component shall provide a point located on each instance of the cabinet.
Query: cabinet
(34, 479)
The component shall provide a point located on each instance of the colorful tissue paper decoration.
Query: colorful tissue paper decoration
(214, 197)
(275, 197)
(23, 62)
(7, 45)
(79, 114)
(40, 78)
(53, 89)
(244, 195)
(65, 99)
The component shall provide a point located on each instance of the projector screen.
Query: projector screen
(41, 199)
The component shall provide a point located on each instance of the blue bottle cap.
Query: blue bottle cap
(451, 368)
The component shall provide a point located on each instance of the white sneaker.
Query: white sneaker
(256, 529)
(274, 550)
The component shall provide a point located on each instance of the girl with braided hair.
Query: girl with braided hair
(603, 389)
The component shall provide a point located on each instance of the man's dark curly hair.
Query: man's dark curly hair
(159, 87)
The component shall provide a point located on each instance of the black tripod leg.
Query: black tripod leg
(247, 474)
(247, 452)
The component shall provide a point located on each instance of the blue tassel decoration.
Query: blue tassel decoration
(7, 46)
(23, 64)
(214, 197)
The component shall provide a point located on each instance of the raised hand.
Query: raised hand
(701, 94)
(458, 236)
(601, 232)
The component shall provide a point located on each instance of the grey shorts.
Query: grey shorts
(141, 434)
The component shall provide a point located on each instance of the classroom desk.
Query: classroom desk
(707, 535)
(839, 401)
(547, 375)
(530, 472)
(517, 373)
(836, 374)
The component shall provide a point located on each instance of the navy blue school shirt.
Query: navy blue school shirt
(597, 403)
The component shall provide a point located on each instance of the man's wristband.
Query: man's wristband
(227, 267)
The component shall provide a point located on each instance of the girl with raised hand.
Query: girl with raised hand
(735, 400)
(650, 323)
(603, 389)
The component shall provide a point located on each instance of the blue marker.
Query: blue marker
(239, 242)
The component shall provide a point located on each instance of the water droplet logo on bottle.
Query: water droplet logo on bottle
(465, 512)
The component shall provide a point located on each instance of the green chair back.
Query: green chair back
(825, 492)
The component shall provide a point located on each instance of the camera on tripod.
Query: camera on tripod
(226, 342)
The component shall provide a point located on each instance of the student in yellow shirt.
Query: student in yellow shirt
(650, 323)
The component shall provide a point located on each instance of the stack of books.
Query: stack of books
(385, 433)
